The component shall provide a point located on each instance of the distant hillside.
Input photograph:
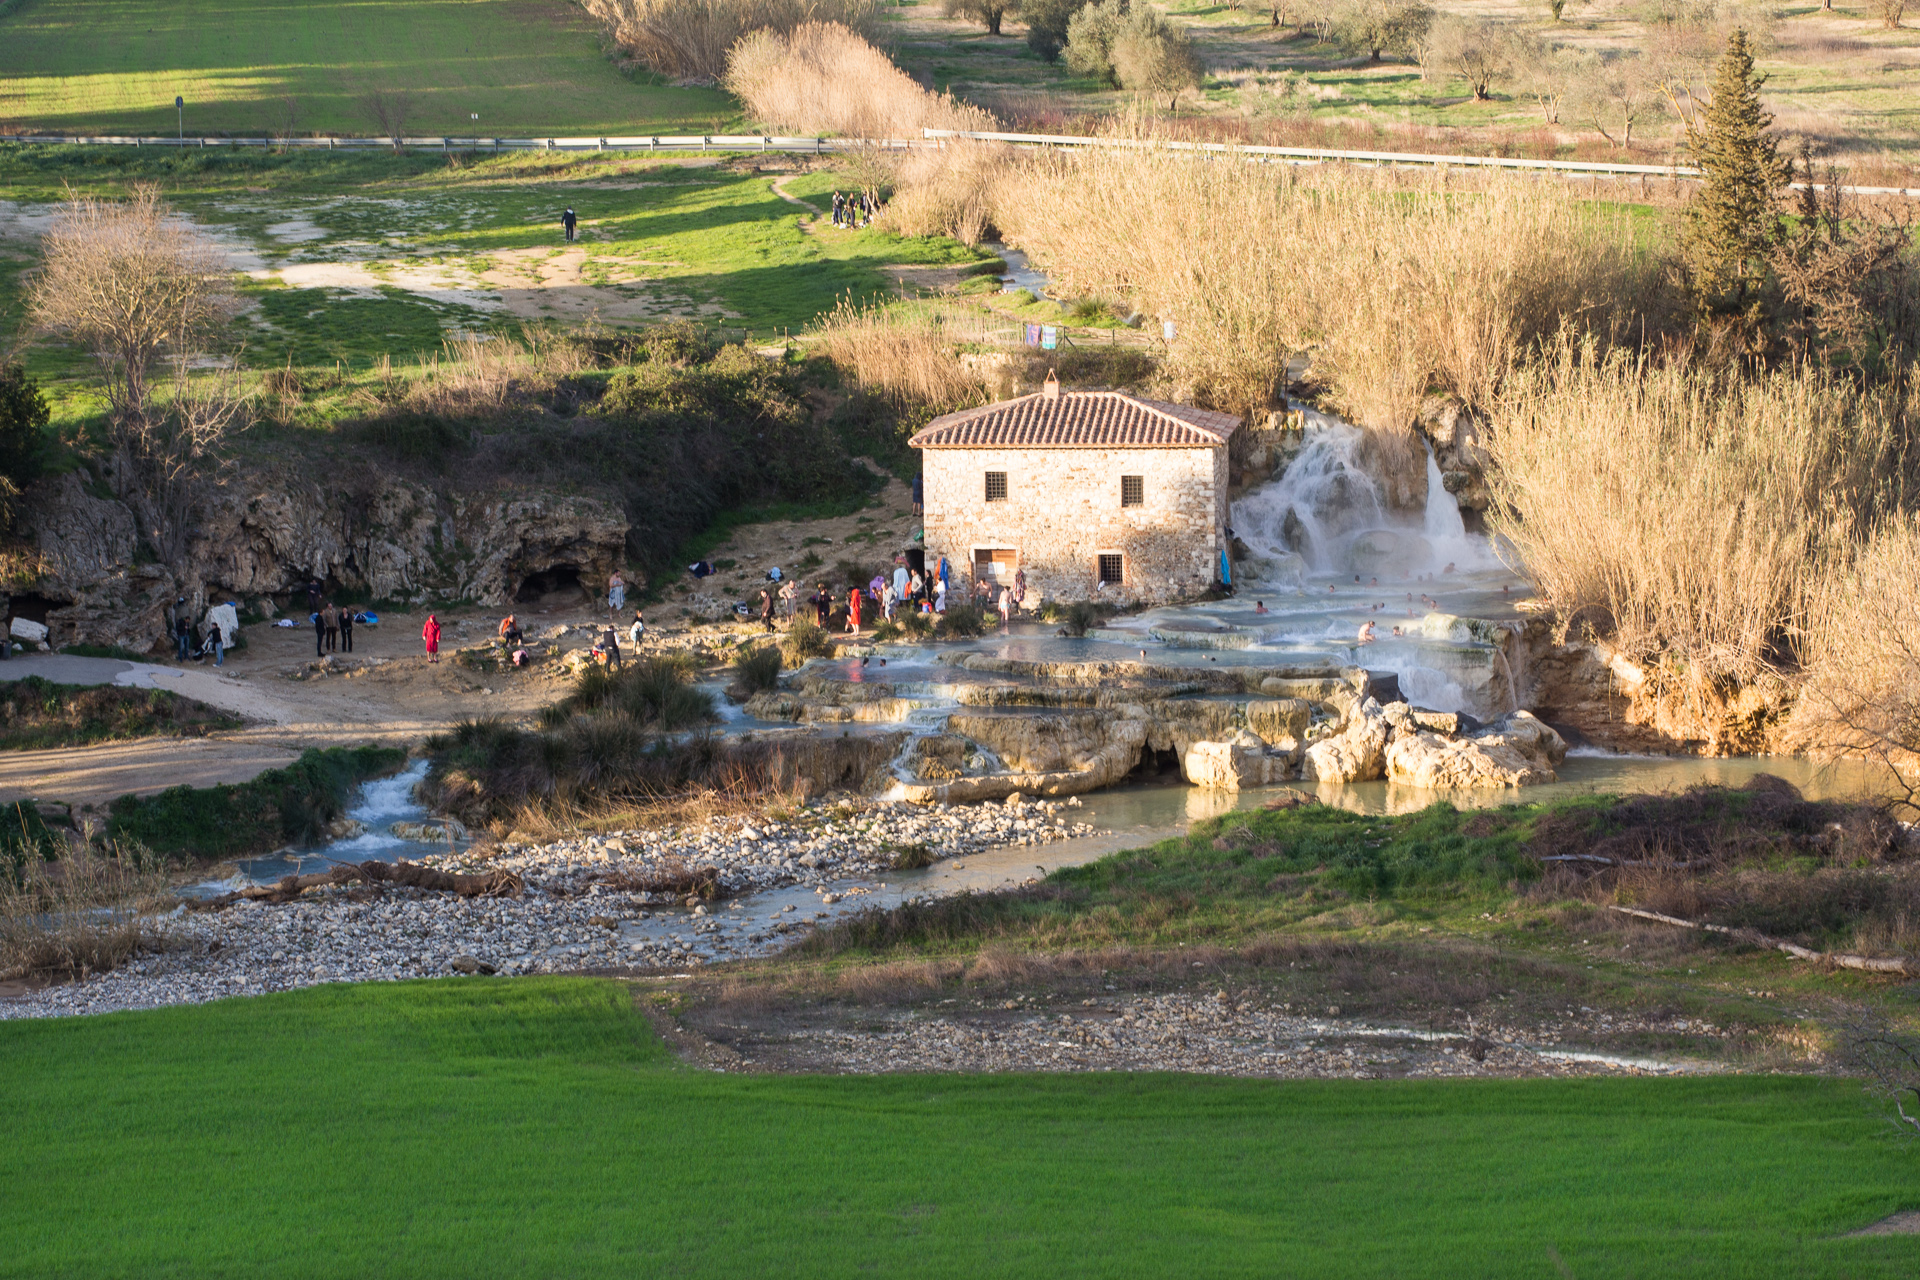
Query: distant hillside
(248, 66)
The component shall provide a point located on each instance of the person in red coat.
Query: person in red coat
(431, 634)
(853, 611)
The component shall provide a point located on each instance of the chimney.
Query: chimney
(1050, 389)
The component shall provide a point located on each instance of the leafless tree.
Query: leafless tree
(1549, 73)
(388, 110)
(1616, 97)
(1890, 12)
(1477, 51)
(286, 118)
(131, 282)
(135, 284)
(1889, 1061)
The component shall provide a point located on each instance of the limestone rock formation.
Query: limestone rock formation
(1358, 753)
(269, 530)
(1240, 762)
(1516, 751)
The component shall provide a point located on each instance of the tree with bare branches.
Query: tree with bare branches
(135, 284)
(1890, 12)
(387, 110)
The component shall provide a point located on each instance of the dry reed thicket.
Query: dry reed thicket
(902, 355)
(1861, 696)
(824, 78)
(691, 39)
(76, 916)
(1398, 287)
(1691, 515)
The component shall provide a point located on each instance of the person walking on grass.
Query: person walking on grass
(320, 632)
(569, 220)
(346, 631)
(431, 634)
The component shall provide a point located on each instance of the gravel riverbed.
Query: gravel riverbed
(570, 918)
(1219, 1034)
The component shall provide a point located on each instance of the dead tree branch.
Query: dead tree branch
(1871, 964)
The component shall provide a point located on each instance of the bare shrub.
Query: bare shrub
(1395, 287)
(1688, 514)
(948, 192)
(1862, 646)
(76, 916)
(692, 39)
(823, 77)
(388, 111)
(902, 355)
(134, 283)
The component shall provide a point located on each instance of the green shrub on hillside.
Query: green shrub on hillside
(36, 714)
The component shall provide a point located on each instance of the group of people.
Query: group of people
(332, 630)
(883, 597)
(209, 636)
(855, 210)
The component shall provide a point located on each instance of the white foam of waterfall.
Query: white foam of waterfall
(1444, 528)
(1325, 490)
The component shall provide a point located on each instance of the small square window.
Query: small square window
(1133, 491)
(1112, 566)
(996, 486)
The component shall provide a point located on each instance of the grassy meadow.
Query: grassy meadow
(538, 1127)
(244, 67)
(356, 260)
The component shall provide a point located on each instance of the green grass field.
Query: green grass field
(525, 66)
(537, 1127)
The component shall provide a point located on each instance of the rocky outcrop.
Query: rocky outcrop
(1236, 764)
(1516, 751)
(1358, 753)
(268, 531)
(1456, 436)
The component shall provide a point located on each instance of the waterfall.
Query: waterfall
(1318, 505)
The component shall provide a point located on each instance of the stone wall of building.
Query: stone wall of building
(1062, 511)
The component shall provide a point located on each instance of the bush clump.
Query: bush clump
(962, 619)
(36, 714)
(805, 639)
(758, 669)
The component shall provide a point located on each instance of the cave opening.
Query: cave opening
(555, 586)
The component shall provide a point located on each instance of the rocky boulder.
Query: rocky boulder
(1358, 753)
(1516, 751)
(1235, 764)
(1279, 720)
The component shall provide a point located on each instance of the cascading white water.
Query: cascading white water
(1317, 506)
(1446, 531)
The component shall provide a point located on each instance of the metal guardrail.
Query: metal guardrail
(930, 138)
(1321, 155)
(663, 142)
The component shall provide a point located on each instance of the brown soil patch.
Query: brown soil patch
(1904, 1223)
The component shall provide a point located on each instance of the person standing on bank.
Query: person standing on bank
(431, 634)
(569, 220)
(346, 631)
(320, 632)
(332, 615)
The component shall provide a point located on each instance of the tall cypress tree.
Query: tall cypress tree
(1733, 224)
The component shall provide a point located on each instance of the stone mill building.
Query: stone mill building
(1096, 494)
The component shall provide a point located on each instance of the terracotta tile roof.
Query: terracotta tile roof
(1078, 420)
